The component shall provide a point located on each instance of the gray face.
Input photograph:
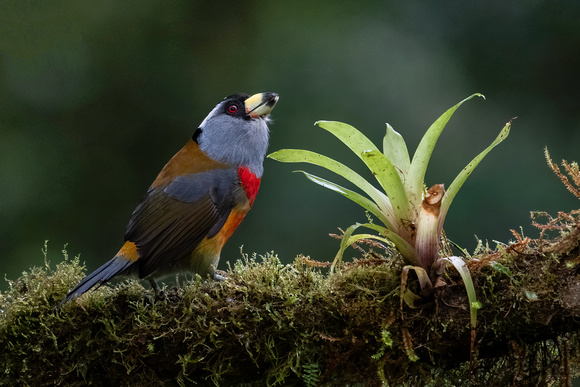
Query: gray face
(229, 135)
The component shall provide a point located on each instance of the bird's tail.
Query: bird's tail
(117, 265)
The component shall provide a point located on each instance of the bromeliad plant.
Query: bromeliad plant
(412, 216)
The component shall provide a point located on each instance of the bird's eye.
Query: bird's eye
(232, 109)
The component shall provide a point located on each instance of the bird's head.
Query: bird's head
(236, 131)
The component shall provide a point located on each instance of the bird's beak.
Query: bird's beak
(261, 104)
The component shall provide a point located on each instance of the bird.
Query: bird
(198, 199)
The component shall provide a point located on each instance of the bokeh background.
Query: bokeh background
(95, 97)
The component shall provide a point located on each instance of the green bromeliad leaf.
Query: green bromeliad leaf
(464, 174)
(416, 176)
(349, 135)
(381, 167)
(359, 199)
(304, 156)
(402, 245)
(469, 287)
(387, 236)
(389, 178)
(395, 148)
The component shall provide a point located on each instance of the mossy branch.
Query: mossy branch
(269, 323)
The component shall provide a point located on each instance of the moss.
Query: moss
(276, 324)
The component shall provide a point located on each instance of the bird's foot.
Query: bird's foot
(159, 294)
(220, 275)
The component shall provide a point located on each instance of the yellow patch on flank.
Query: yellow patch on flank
(129, 251)
(213, 245)
(205, 258)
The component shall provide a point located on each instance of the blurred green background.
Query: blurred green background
(95, 97)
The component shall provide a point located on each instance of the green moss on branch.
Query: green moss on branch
(282, 324)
